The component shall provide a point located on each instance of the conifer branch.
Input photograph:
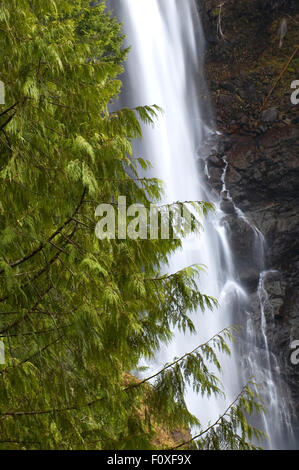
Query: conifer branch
(216, 423)
(7, 121)
(9, 109)
(49, 411)
(91, 403)
(8, 143)
(24, 361)
(54, 235)
(170, 276)
(30, 333)
(177, 361)
(35, 277)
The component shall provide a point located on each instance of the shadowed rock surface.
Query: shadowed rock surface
(260, 142)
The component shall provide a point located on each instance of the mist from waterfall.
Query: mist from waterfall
(165, 67)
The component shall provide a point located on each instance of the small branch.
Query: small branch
(214, 424)
(4, 371)
(45, 412)
(11, 441)
(9, 109)
(7, 139)
(97, 400)
(219, 27)
(291, 18)
(169, 276)
(177, 361)
(36, 276)
(30, 333)
(125, 180)
(7, 121)
(279, 78)
(42, 245)
(34, 413)
(81, 223)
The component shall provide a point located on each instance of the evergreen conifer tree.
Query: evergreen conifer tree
(78, 314)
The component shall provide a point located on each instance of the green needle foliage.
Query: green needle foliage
(78, 314)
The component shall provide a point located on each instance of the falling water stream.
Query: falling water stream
(165, 67)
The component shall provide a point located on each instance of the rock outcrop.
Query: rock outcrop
(250, 77)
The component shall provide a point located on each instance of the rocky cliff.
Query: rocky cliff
(252, 59)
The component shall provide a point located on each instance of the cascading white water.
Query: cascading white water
(165, 67)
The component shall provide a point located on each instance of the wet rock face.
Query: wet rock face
(246, 250)
(269, 164)
(270, 115)
(260, 142)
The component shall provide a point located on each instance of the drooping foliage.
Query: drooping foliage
(78, 314)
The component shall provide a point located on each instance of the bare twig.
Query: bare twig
(279, 78)
(219, 25)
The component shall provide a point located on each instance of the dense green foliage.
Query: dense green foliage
(77, 314)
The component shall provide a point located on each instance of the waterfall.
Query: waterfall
(165, 67)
